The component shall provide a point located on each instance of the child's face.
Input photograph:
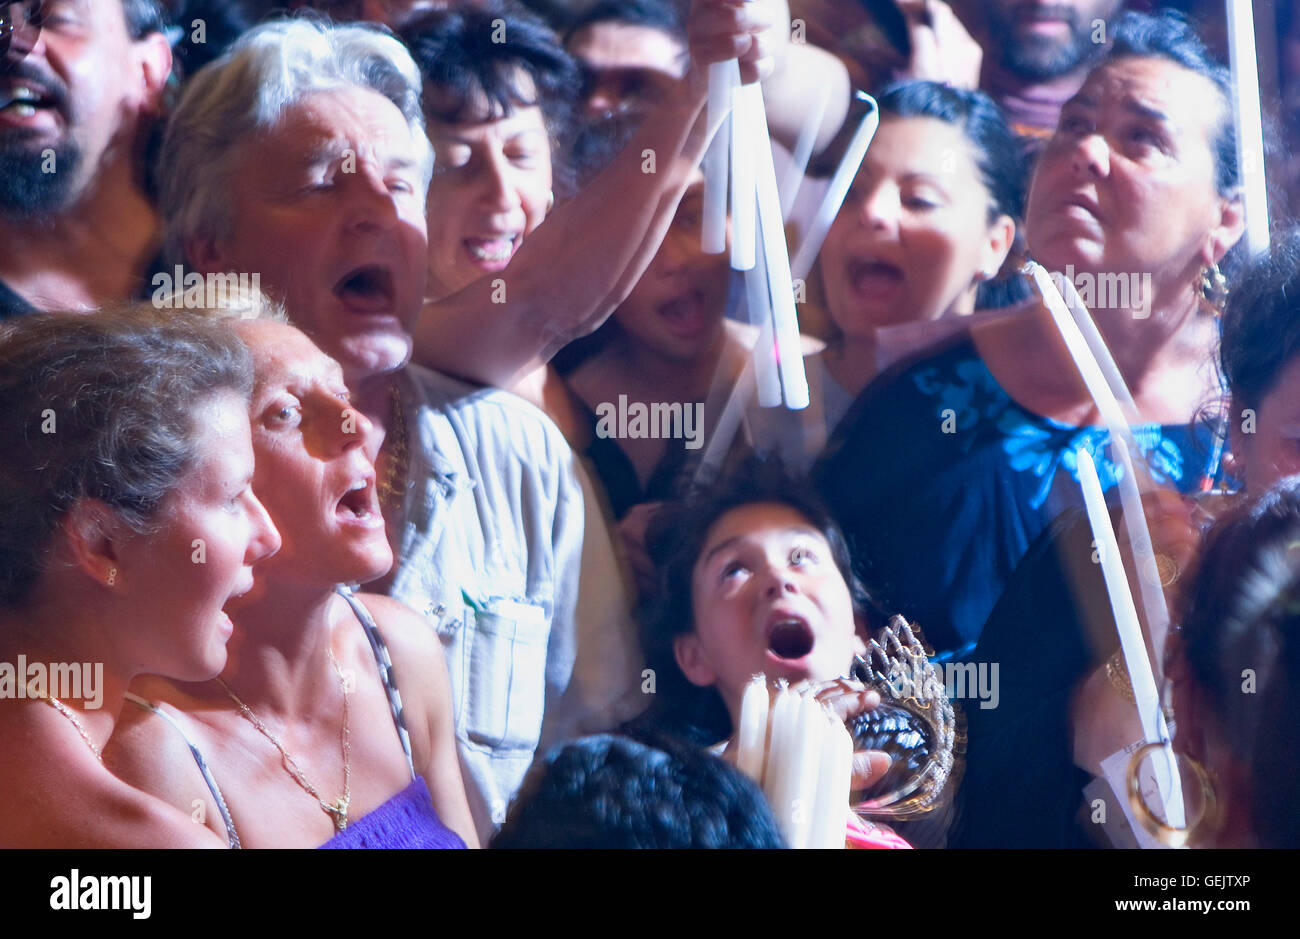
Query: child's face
(767, 598)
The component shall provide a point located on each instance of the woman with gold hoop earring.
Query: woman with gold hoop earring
(1233, 665)
(982, 433)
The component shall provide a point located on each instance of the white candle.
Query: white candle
(785, 321)
(714, 235)
(781, 774)
(751, 734)
(759, 305)
(1092, 336)
(744, 237)
(836, 191)
(1134, 648)
(833, 785)
(1249, 122)
(1093, 378)
(1124, 448)
(728, 425)
(806, 815)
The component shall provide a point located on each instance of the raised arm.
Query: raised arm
(804, 73)
(585, 258)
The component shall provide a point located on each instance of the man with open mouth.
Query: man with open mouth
(81, 85)
(302, 156)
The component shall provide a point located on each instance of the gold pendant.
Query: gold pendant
(338, 809)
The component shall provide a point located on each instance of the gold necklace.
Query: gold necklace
(393, 487)
(338, 809)
(66, 712)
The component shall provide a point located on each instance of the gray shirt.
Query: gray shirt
(491, 549)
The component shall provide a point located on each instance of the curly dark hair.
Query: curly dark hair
(1261, 323)
(1241, 615)
(1169, 36)
(100, 407)
(614, 792)
(674, 539)
(467, 52)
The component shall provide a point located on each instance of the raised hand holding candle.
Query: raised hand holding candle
(785, 321)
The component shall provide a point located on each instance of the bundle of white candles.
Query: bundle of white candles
(758, 244)
(802, 755)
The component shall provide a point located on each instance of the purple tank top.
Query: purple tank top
(407, 820)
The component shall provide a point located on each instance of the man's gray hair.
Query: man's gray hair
(248, 90)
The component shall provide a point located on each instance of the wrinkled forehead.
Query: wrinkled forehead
(354, 119)
(283, 354)
(1159, 86)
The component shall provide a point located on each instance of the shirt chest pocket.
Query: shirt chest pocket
(506, 685)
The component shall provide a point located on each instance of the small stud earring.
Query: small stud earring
(112, 576)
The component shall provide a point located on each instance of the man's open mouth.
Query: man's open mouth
(367, 289)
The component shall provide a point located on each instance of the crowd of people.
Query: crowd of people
(324, 326)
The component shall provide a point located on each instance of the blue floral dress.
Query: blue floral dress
(941, 482)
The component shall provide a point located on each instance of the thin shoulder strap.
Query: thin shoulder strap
(385, 663)
(232, 836)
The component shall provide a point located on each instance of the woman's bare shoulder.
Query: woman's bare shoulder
(413, 645)
(59, 796)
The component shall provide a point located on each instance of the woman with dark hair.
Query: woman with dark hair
(129, 522)
(1135, 199)
(1259, 352)
(755, 578)
(942, 158)
(499, 94)
(681, 540)
(917, 246)
(1234, 663)
(499, 99)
